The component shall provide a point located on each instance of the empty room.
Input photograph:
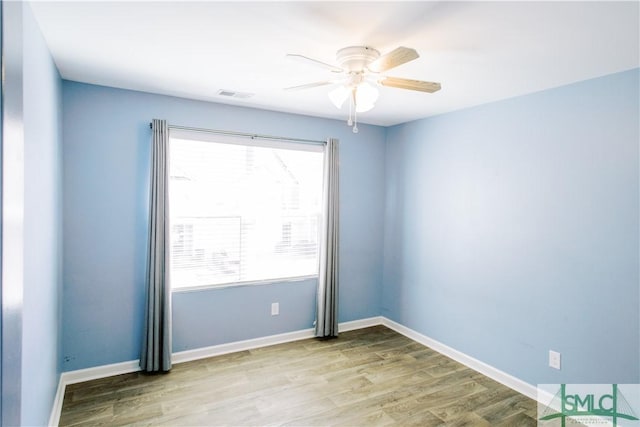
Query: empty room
(320, 213)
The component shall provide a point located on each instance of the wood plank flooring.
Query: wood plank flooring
(367, 377)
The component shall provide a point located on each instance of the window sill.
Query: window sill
(241, 284)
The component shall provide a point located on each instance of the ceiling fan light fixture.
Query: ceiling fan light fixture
(366, 94)
(339, 95)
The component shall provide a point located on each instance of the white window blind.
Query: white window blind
(242, 210)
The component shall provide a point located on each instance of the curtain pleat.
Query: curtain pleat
(156, 344)
(327, 301)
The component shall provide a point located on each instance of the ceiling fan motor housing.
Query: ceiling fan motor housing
(356, 58)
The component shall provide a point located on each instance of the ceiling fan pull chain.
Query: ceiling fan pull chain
(351, 101)
(355, 110)
(355, 118)
(355, 122)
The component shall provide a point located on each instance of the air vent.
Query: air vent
(234, 94)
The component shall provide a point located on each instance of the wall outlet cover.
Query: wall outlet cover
(554, 359)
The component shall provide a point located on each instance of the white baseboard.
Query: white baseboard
(232, 347)
(54, 419)
(487, 370)
(360, 324)
(88, 374)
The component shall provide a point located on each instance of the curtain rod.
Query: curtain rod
(242, 134)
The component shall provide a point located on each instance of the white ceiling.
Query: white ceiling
(479, 51)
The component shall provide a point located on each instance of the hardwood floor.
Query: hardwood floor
(371, 376)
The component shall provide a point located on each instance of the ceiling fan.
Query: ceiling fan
(359, 69)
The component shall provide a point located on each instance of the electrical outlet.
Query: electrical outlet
(554, 359)
(275, 308)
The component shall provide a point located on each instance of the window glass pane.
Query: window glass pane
(242, 212)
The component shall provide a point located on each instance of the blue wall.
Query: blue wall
(106, 161)
(203, 318)
(42, 226)
(512, 229)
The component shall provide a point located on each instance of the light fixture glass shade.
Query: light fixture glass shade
(366, 95)
(339, 95)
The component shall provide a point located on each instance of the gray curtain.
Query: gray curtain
(327, 302)
(156, 344)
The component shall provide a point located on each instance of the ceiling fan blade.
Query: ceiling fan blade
(309, 85)
(418, 85)
(306, 59)
(392, 59)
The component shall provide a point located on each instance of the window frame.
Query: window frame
(256, 141)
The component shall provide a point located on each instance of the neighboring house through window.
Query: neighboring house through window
(243, 210)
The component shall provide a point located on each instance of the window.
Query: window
(242, 210)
